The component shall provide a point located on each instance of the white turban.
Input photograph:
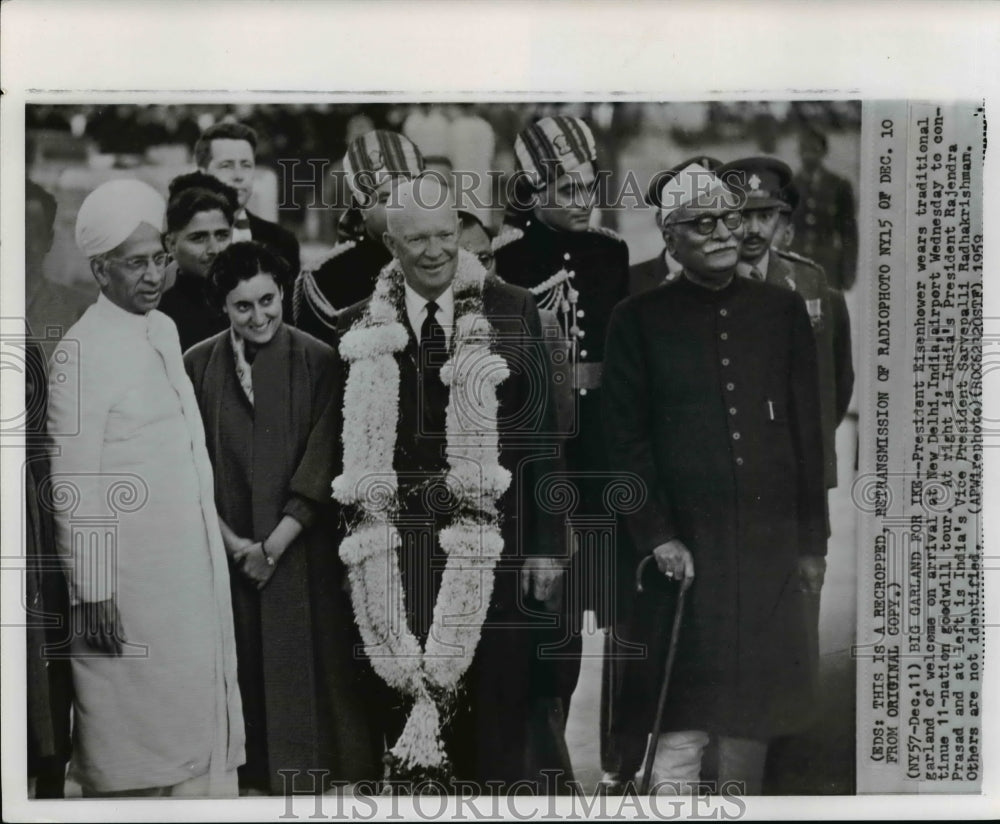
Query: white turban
(695, 185)
(113, 211)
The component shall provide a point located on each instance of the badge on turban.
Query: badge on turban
(113, 211)
(378, 155)
(554, 146)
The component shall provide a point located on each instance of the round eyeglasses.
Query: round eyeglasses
(705, 224)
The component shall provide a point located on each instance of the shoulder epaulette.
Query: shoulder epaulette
(308, 293)
(336, 251)
(508, 234)
(604, 230)
(797, 258)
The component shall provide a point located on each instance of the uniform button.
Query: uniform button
(723, 312)
(579, 313)
(732, 410)
(583, 353)
(730, 386)
(736, 436)
(581, 333)
(565, 255)
(583, 391)
(724, 336)
(725, 361)
(739, 462)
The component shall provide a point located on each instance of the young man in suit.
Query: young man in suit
(228, 151)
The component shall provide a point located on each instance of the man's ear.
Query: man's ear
(98, 268)
(669, 239)
(170, 243)
(390, 243)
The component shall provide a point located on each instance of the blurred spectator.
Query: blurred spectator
(50, 308)
(825, 227)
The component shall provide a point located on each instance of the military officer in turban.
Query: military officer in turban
(577, 273)
(347, 274)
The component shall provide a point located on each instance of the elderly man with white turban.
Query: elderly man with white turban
(711, 397)
(158, 708)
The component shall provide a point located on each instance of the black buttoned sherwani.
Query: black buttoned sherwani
(711, 398)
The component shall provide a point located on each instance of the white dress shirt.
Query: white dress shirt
(416, 310)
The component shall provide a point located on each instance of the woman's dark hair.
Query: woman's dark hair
(243, 261)
(198, 192)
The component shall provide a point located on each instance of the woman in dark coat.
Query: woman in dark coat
(268, 395)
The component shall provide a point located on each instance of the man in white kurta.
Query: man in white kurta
(157, 707)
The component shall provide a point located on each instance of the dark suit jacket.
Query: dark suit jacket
(278, 238)
(283, 242)
(485, 738)
(649, 274)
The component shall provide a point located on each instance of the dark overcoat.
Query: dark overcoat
(711, 398)
(301, 684)
(486, 736)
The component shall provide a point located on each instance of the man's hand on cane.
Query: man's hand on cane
(675, 561)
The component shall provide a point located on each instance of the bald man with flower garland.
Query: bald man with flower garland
(470, 451)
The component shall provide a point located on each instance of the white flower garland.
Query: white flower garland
(473, 542)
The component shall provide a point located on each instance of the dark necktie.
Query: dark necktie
(756, 274)
(433, 349)
(242, 223)
(433, 353)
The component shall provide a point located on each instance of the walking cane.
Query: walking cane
(675, 632)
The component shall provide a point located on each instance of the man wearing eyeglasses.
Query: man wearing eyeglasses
(658, 270)
(577, 274)
(711, 397)
(158, 710)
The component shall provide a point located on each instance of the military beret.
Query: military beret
(662, 177)
(553, 146)
(762, 181)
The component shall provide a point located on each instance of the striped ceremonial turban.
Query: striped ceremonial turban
(377, 155)
(553, 146)
(113, 211)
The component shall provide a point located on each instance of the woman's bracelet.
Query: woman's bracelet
(267, 556)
